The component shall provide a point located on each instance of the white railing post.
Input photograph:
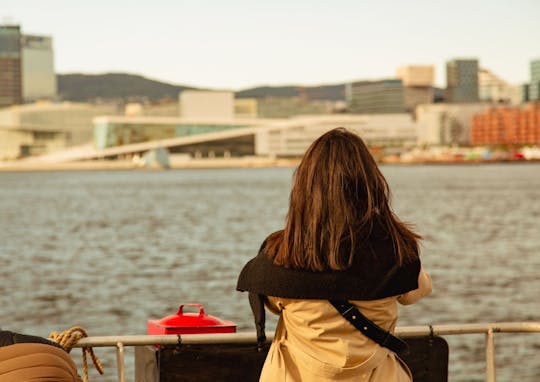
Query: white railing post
(120, 362)
(236, 338)
(490, 356)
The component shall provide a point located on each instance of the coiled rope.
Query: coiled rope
(69, 338)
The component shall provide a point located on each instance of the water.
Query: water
(108, 250)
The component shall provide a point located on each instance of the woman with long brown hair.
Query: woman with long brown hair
(336, 272)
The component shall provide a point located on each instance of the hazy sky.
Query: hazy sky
(242, 43)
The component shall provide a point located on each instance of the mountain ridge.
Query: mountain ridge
(115, 85)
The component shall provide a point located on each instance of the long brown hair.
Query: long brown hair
(338, 190)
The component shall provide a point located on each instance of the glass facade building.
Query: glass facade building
(462, 81)
(376, 97)
(534, 87)
(110, 134)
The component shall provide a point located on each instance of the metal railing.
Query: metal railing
(231, 338)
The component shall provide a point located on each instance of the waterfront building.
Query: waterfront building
(534, 89)
(249, 136)
(492, 88)
(245, 108)
(377, 130)
(18, 143)
(376, 97)
(112, 131)
(418, 84)
(38, 76)
(40, 128)
(446, 123)
(206, 104)
(505, 125)
(462, 81)
(10, 65)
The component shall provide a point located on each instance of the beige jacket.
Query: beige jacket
(313, 342)
(36, 362)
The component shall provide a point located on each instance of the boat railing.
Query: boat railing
(488, 329)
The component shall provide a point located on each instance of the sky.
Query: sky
(237, 44)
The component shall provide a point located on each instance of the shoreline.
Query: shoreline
(215, 163)
(115, 165)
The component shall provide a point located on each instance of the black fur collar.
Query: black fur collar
(373, 275)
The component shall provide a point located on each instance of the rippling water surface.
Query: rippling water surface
(108, 250)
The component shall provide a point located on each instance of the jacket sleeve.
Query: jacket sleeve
(424, 289)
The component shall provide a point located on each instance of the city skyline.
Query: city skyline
(241, 44)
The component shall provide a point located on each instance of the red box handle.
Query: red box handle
(181, 309)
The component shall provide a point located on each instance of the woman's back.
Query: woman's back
(314, 342)
(318, 328)
(341, 242)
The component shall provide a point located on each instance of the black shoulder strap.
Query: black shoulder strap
(256, 301)
(369, 328)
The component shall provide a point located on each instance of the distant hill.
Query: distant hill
(323, 92)
(89, 87)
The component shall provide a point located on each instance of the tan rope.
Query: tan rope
(69, 338)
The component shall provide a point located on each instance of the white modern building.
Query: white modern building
(42, 127)
(252, 136)
(16, 143)
(446, 123)
(125, 136)
(377, 130)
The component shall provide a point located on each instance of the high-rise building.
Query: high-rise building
(10, 65)
(418, 84)
(38, 76)
(462, 80)
(376, 97)
(534, 87)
